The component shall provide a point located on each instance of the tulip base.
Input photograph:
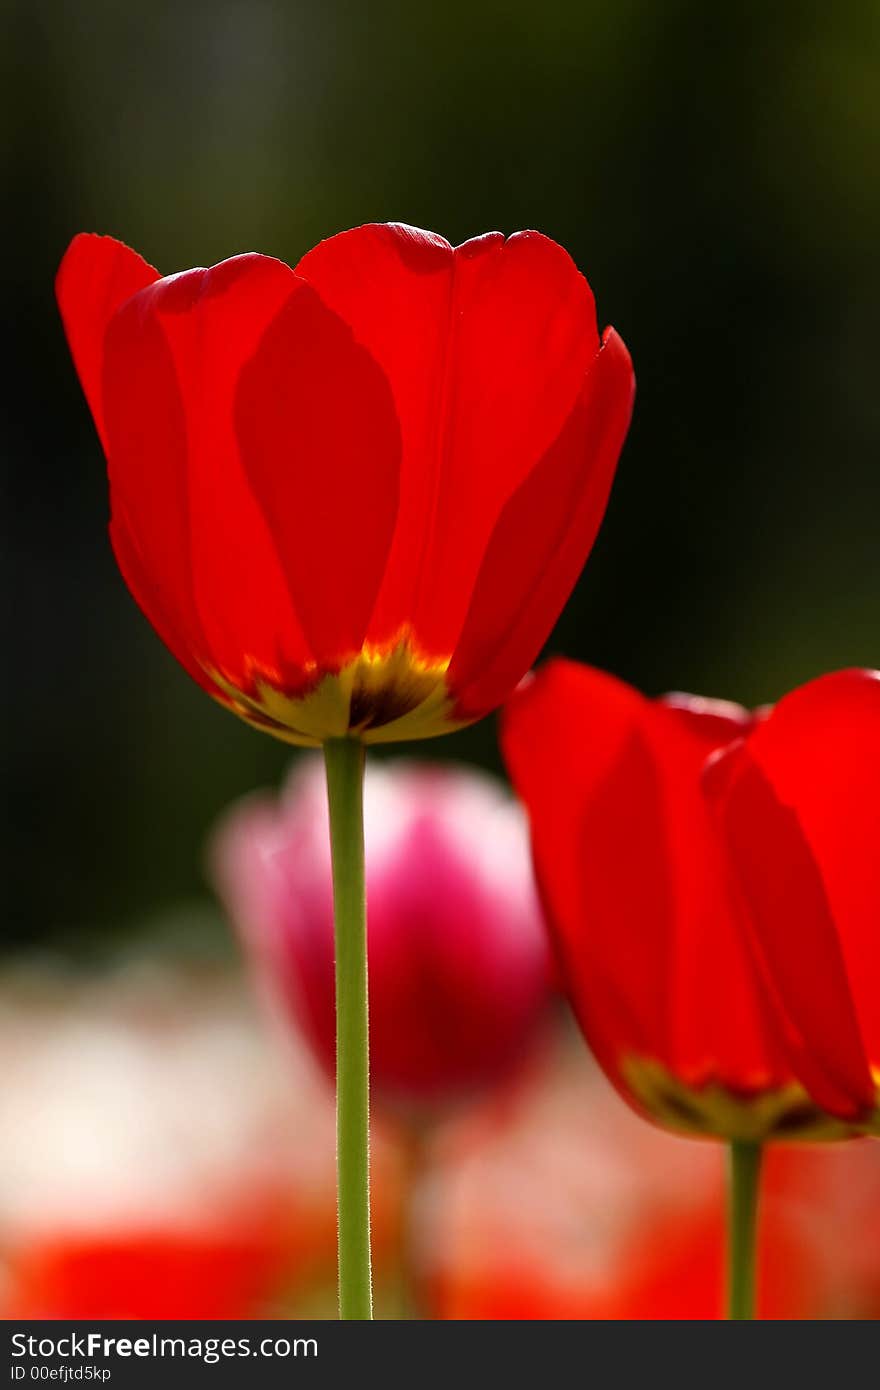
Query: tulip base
(344, 760)
(742, 1228)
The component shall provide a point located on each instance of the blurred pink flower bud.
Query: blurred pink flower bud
(460, 976)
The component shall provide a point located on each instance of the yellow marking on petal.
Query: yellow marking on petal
(381, 695)
(780, 1112)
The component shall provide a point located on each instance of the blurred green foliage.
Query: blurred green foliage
(713, 171)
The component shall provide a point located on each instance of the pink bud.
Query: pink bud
(460, 977)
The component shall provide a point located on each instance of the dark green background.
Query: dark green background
(714, 171)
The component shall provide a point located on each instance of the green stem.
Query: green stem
(344, 759)
(742, 1226)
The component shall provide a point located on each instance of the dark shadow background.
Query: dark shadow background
(714, 174)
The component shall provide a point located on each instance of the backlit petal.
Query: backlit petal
(635, 881)
(793, 932)
(485, 348)
(321, 447)
(96, 276)
(543, 537)
(820, 751)
(173, 360)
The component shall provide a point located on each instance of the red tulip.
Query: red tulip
(798, 807)
(231, 1272)
(353, 496)
(649, 923)
(459, 964)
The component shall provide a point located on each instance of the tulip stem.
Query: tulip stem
(742, 1228)
(344, 759)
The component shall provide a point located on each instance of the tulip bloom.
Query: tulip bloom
(459, 968)
(353, 496)
(721, 958)
(653, 931)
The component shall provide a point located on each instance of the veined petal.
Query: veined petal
(165, 621)
(486, 348)
(543, 537)
(819, 750)
(793, 933)
(96, 276)
(146, 447)
(320, 441)
(579, 794)
(174, 356)
(634, 880)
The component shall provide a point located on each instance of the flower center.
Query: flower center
(381, 695)
(769, 1111)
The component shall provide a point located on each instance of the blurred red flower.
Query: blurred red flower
(459, 964)
(354, 495)
(228, 1272)
(649, 923)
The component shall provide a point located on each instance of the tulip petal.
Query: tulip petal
(96, 276)
(564, 779)
(321, 445)
(145, 430)
(715, 722)
(543, 537)
(486, 348)
(174, 356)
(820, 752)
(793, 932)
(165, 621)
(633, 878)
